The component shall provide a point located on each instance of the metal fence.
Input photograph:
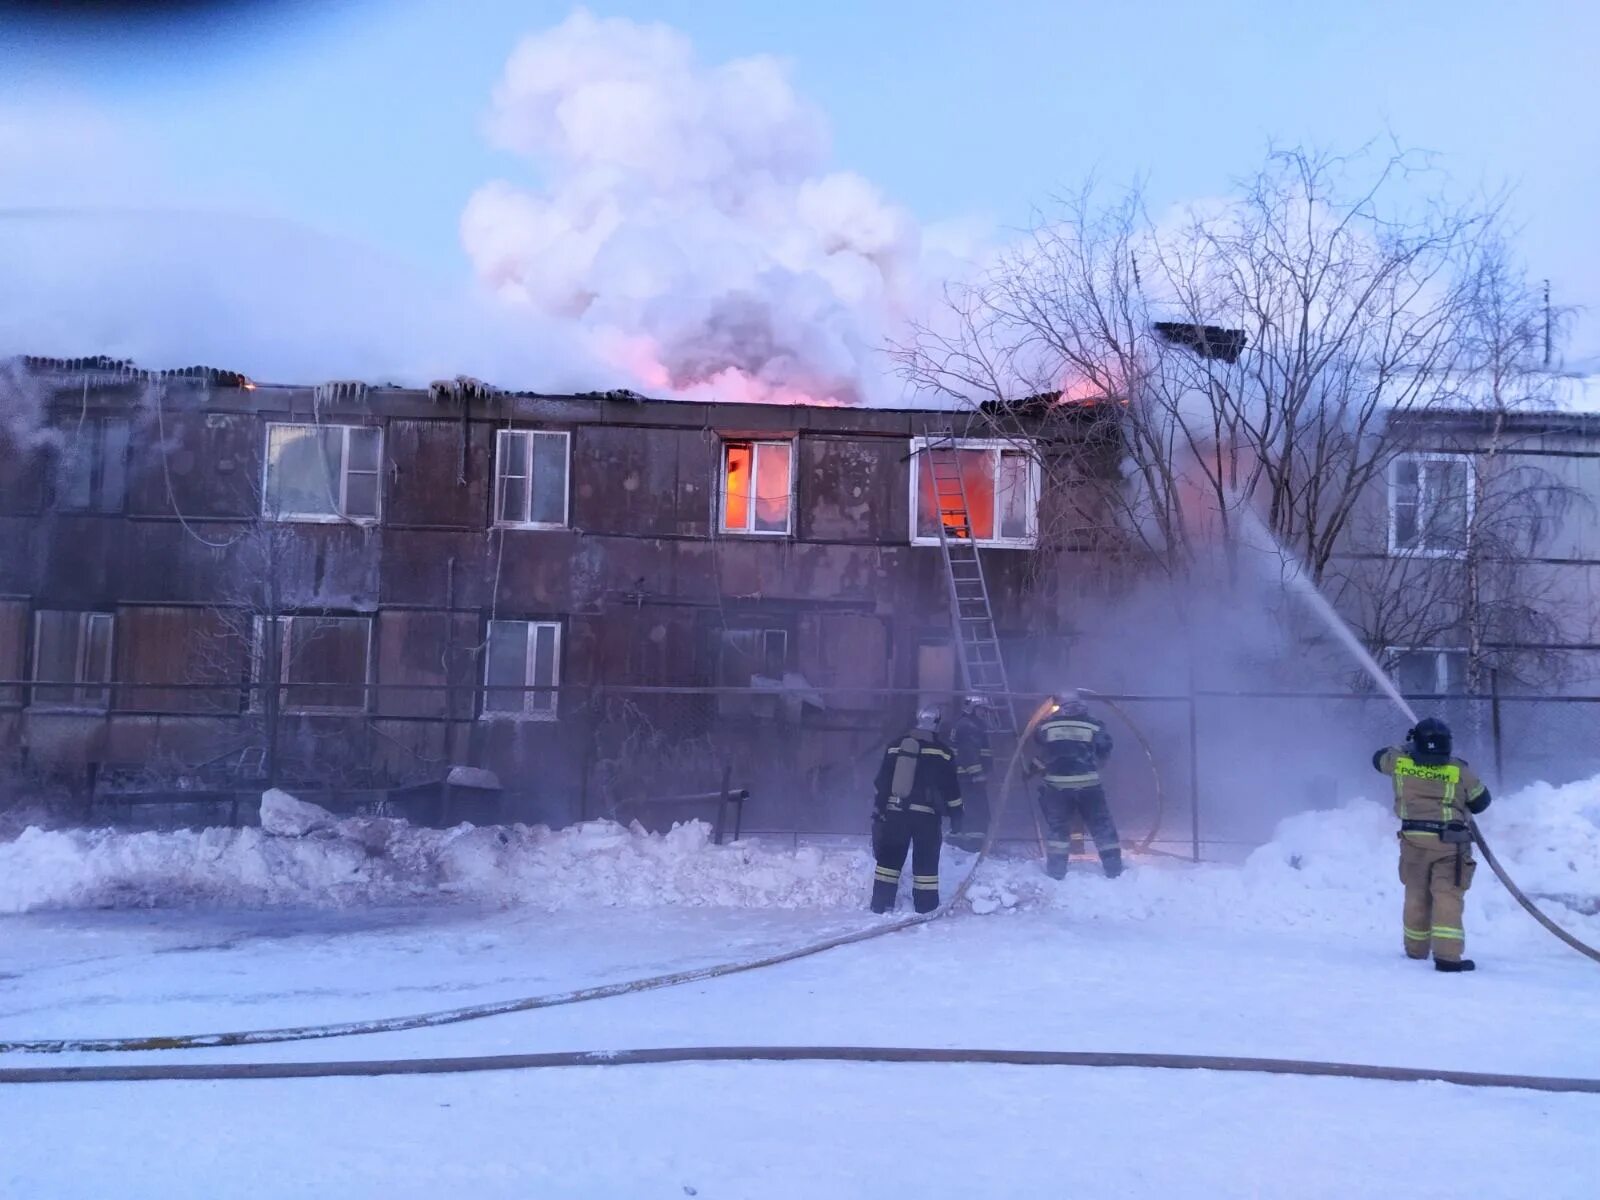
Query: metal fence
(1202, 774)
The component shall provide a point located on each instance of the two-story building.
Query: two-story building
(366, 585)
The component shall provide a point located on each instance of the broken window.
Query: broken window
(1428, 672)
(72, 659)
(322, 661)
(92, 465)
(1430, 504)
(531, 478)
(751, 658)
(998, 484)
(756, 486)
(747, 656)
(323, 472)
(522, 658)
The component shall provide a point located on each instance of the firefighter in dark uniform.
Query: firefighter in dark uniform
(916, 788)
(1069, 748)
(1430, 789)
(969, 737)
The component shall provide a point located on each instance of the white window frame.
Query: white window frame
(1441, 671)
(722, 488)
(341, 500)
(501, 458)
(94, 430)
(996, 446)
(1392, 496)
(78, 683)
(286, 658)
(536, 706)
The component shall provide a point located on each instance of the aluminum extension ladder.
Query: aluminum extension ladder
(983, 669)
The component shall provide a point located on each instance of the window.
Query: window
(756, 486)
(92, 467)
(72, 655)
(322, 472)
(531, 478)
(751, 658)
(1430, 504)
(1001, 482)
(522, 655)
(322, 662)
(746, 656)
(1428, 672)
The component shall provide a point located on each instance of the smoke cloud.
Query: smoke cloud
(687, 223)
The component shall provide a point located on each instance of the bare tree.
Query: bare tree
(1245, 355)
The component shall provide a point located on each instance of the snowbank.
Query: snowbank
(1331, 868)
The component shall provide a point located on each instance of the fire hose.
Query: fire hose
(652, 983)
(856, 1054)
(257, 1037)
(1532, 909)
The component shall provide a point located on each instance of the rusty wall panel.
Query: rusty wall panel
(854, 491)
(210, 460)
(423, 484)
(79, 554)
(13, 648)
(19, 555)
(22, 468)
(536, 571)
(162, 561)
(844, 650)
(430, 649)
(416, 568)
(329, 566)
(157, 644)
(64, 741)
(642, 482)
(540, 765)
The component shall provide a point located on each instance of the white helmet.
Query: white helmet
(928, 717)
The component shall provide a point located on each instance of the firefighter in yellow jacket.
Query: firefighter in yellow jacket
(1431, 789)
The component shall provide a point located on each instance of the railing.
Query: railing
(1223, 766)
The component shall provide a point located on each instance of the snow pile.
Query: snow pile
(1332, 869)
(304, 855)
(285, 816)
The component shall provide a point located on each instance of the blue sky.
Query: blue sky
(366, 121)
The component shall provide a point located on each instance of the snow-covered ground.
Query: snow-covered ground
(1294, 954)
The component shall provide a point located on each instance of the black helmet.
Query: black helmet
(1430, 740)
(1070, 703)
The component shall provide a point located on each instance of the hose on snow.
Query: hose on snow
(856, 1054)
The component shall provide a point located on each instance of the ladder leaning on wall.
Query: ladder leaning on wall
(983, 669)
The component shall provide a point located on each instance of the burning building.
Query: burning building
(359, 587)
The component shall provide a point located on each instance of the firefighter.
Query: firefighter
(1436, 863)
(916, 787)
(970, 739)
(1070, 747)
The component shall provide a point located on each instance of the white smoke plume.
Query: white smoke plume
(686, 220)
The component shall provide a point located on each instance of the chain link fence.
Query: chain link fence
(1208, 774)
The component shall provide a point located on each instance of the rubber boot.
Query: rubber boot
(1452, 966)
(1055, 866)
(883, 896)
(1111, 863)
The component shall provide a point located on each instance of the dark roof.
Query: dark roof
(1208, 341)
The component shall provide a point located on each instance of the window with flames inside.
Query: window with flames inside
(757, 487)
(998, 487)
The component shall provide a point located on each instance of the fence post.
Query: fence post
(1194, 778)
(1494, 724)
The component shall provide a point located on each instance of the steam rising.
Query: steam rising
(687, 223)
